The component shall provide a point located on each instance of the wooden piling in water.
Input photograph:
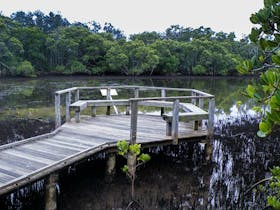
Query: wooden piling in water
(50, 192)
(111, 165)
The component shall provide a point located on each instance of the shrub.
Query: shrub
(25, 69)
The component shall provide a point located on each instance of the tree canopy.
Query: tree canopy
(52, 45)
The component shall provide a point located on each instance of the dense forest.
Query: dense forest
(33, 44)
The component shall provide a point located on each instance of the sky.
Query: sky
(136, 16)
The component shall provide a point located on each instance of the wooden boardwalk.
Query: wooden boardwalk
(31, 159)
(35, 158)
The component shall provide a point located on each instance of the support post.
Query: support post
(50, 192)
(93, 111)
(193, 100)
(68, 102)
(163, 94)
(175, 121)
(127, 110)
(211, 114)
(133, 121)
(196, 125)
(57, 111)
(77, 95)
(77, 115)
(111, 164)
(108, 98)
(201, 106)
(201, 103)
(136, 93)
(168, 128)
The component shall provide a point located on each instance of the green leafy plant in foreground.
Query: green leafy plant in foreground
(132, 152)
(266, 35)
(273, 199)
(272, 189)
(267, 64)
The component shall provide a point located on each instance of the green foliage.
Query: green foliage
(125, 169)
(76, 67)
(199, 70)
(273, 200)
(124, 149)
(59, 69)
(135, 149)
(51, 44)
(267, 91)
(244, 67)
(144, 158)
(25, 69)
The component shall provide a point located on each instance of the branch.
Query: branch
(258, 183)
(266, 66)
(140, 164)
(274, 91)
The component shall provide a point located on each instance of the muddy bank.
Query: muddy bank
(14, 129)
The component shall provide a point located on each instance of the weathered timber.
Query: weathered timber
(50, 192)
(57, 111)
(211, 116)
(163, 94)
(108, 97)
(68, 102)
(31, 159)
(175, 122)
(133, 121)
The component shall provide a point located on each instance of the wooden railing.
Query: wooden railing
(189, 94)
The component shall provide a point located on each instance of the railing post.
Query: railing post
(108, 98)
(201, 106)
(133, 121)
(211, 114)
(201, 103)
(93, 111)
(193, 100)
(163, 94)
(57, 111)
(175, 121)
(136, 93)
(77, 95)
(68, 102)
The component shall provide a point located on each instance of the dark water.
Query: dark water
(176, 177)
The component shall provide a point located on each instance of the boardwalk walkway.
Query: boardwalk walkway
(31, 159)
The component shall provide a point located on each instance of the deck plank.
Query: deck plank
(74, 140)
(27, 156)
(50, 156)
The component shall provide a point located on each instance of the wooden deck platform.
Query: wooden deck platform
(30, 160)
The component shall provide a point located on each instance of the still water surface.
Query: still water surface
(168, 181)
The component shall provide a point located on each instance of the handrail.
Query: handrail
(141, 88)
(193, 96)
